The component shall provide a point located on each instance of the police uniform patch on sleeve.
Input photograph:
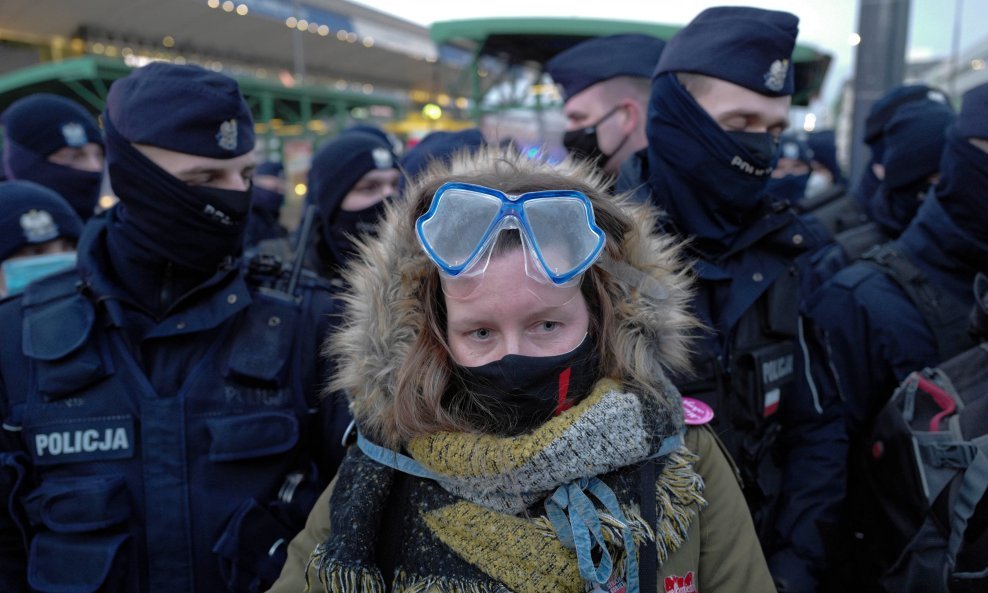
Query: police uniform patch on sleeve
(74, 135)
(226, 138)
(775, 78)
(38, 226)
(81, 440)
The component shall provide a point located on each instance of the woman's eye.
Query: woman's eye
(482, 333)
(548, 325)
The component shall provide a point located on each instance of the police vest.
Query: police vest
(746, 386)
(133, 490)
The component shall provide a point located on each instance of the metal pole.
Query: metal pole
(298, 50)
(880, 65)
(955, 51)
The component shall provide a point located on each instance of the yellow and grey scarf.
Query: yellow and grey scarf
(553, 510)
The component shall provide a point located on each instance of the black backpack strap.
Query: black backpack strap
(944, 315)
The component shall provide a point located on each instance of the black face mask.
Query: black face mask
(347, 224)
(519, 393)
(762, 146)
(582, 143)
(196, 227)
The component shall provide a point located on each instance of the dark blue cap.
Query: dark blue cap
(44, 123)
(30, 214)
(883, 109)
(747, 46)
(270, 168)
(339, 165)
(914, 141)
(186, 109)
(823, 143)
(973, 120)
(793, 146)
(369, 129)
(603, 58)
(439, 146)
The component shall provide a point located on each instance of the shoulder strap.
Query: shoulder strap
(944, 315)
(856, 241)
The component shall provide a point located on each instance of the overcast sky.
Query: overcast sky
(824, 24)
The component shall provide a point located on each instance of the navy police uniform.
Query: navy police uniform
(905, 305)
(162, 425)
(758, 365)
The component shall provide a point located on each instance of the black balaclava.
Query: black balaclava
(212, 220)
(336, 169)
(39, 125)
(710, 181)
(163, 225)
(519, 393)
(913, 141)
(963, 187)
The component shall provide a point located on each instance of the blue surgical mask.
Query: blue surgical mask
(21, 271)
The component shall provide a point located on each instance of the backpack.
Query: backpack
(928, 470)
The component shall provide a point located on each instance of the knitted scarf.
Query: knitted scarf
(552, 510)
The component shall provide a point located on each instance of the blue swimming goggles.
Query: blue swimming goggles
(556, 226)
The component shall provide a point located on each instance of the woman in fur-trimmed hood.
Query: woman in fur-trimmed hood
(513, 406)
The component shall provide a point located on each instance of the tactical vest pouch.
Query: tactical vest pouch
(253, 548)
(56, 334)
(61, 563)
(251, 436)
(262, 350)
(762, 375)
(78, 505)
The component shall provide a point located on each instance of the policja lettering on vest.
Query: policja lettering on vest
(81, 441)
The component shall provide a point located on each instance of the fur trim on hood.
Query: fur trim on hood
(644, 273)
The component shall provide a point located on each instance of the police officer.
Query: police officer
(267, 198)
(38, 234)
(720, 100)
(913, 141)
(909, 147)
(351, 179)
(53, 141)
(160, 401)
(905, 306)
(874, 134)
(605, 85)
(438, 146)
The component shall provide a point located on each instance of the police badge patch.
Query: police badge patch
(382, 158)
(74, 135)
(38, 226)
(775, 78)
(226, 138)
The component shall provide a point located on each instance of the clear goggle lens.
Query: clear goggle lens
(465, 222)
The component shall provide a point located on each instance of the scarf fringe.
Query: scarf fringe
(407, 583)
(339, 578)
(678, 499)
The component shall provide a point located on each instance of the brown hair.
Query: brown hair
(421, 405)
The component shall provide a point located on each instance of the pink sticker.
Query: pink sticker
(696, 412)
